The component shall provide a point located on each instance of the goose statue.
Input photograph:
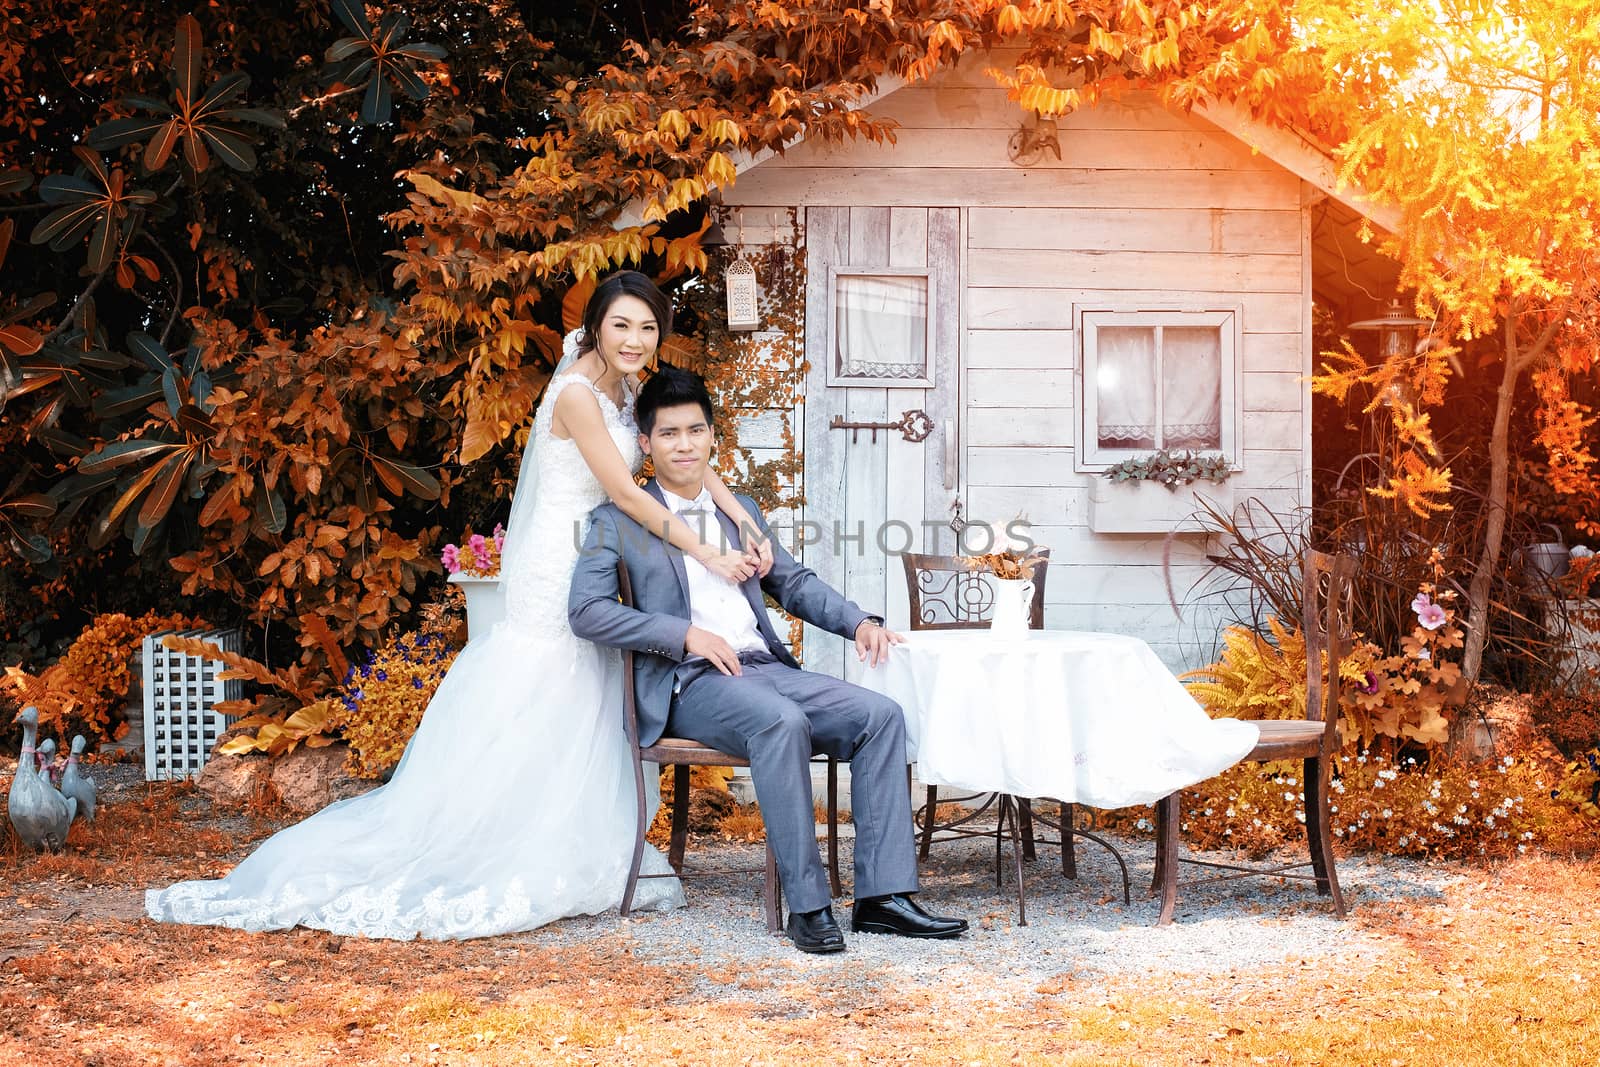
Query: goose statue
(77, 785)
(40, 814)
(47, 762)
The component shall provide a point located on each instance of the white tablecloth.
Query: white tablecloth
(1089, 718)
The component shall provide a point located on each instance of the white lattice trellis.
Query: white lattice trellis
(180, 692)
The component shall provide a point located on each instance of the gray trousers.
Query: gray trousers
(778, 718)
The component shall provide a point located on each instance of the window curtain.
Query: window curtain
(1125, 386)
(882, 329)
(1191, 387)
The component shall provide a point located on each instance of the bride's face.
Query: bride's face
(629, 335)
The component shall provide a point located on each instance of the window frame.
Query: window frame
(838, 380)
(1088, 456)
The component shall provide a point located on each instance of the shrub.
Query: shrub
(86, 690)
(1404, 808)
(382, 700)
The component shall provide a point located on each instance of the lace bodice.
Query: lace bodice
(536, 585)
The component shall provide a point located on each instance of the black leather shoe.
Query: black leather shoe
(899, 914)
(815, 931)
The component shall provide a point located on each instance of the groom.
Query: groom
(709, 667)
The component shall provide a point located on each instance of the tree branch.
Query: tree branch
(177, 285)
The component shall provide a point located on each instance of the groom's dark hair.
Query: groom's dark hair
(669, 387)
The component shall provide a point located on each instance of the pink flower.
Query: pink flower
(451, 558)
(499, 537)
(477, 543)
(1421, 603)
(1431, 616)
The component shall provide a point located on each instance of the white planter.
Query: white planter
(486, 602)
(1578, 662)
(1150, 507)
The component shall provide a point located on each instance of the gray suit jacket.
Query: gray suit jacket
(655, 627)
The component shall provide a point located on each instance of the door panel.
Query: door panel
(868, 500)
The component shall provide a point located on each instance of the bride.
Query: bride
(513, 805)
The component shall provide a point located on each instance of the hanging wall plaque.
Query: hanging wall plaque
(743, 294)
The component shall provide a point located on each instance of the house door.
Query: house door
(883, 329)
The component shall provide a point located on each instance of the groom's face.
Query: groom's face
(680, 445)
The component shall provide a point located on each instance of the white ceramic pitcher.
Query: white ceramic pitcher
(1012, 599)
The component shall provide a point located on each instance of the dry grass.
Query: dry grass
(1497, 971)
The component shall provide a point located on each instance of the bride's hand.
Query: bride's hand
(733, 566)
(760, 553)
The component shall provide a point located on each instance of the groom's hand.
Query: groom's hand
(698, 642)
(873, 641)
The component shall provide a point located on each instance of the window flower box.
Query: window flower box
(1150, 507)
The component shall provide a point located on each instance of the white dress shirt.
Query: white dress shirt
(715, 603)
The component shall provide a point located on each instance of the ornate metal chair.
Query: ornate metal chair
(945, 595)
(682, 754)
(1327, 591)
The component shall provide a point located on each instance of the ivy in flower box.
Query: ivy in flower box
(1172, 469)
(1126, 499)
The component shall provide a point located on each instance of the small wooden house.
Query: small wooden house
(1034, 320)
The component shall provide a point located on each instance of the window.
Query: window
(1156, 379)
(879, 327)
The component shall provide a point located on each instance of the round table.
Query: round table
(1080, 717)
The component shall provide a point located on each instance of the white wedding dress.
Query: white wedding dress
(514, 803)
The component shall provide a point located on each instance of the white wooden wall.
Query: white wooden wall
(1145, 206)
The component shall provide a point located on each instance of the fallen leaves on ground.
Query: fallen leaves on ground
(1496, 969)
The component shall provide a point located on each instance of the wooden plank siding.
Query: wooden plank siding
(1146, 208)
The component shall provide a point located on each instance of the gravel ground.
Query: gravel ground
(1076, 929)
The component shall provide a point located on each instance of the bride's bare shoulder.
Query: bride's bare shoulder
(575, 409)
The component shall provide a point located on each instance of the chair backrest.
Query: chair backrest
(1327, 600)
(630, 707)
(945, 595)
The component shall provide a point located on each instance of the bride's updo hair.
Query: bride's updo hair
(623, 283)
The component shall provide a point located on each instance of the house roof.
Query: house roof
(1291, 149)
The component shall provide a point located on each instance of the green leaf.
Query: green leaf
(149, 349)
(353, 13)
(14, 181)
(187, 58)
(120, 454)
(148, 103)
(102, 246)
(409, 82)
(344, 48)
(259, 116)
(378, 104)
(170, 390)
(60, 441)
(392, 28)
(415, 480)
(164, 492)
(35, 548)
(114, 402)
(195, 421)
(67, 189)
(229, 85)
(31, 505)
(423, 50)
(159, 150)
(200, 390)
(232, 149)
(270, 509)
(118, 132)
(64, 227)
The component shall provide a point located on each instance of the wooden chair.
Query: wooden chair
(682, 754)
(1325, 618)
(945, 595)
